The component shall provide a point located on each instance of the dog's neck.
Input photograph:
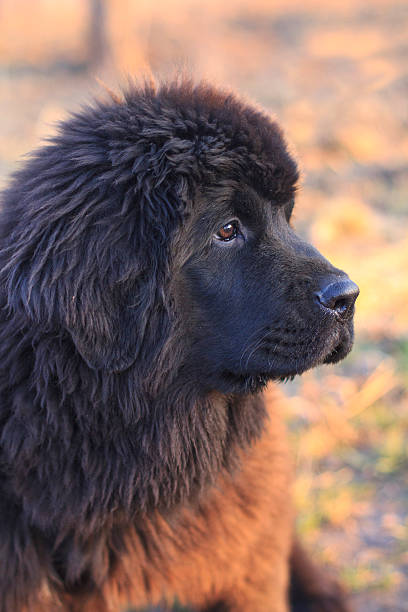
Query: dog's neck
(114, 449)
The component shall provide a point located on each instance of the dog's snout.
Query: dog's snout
(339, 297)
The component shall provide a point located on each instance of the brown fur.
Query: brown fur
(234, 546)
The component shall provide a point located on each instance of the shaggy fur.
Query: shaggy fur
(136, 461)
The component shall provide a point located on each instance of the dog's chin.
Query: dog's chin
(253, 382)
(256, 379)
(243, 382)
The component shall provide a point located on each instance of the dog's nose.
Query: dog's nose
(339, 297)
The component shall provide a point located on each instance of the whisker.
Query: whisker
(248, 345)
(251, 348)
(254, 349)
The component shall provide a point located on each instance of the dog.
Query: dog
(151, 286)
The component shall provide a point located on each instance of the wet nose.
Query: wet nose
(339, 297)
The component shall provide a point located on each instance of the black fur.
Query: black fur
(122, 318)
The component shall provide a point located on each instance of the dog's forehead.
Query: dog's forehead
(204, 128)
(234, 197)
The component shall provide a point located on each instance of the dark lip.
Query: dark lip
(339, 352)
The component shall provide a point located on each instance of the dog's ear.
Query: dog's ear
(108, 321)
(86, 225)
(120, 304)
(91, 264)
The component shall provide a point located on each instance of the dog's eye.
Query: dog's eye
(228, 232)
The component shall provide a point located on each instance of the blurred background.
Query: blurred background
(335, 74)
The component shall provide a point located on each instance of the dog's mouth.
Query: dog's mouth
(256, 377)
(339, 352)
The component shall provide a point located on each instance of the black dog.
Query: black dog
(151, 285)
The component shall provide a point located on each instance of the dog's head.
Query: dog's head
(161, 225)
(260, 303)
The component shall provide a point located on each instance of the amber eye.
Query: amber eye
(228, 232)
